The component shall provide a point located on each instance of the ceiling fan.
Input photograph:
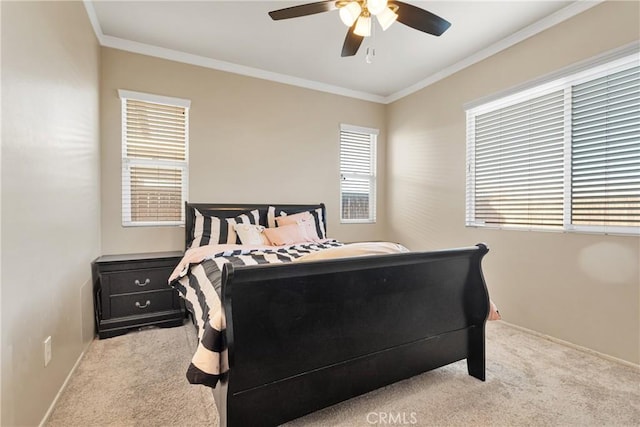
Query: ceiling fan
(357, 14)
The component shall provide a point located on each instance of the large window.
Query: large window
(357, 174)
(154, 159)
(562, 155)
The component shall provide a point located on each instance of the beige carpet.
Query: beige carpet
(138, 380)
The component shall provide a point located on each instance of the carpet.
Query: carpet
(138, 379)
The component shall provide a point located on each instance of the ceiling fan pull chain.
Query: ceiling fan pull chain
(371, 50)
(371, 53)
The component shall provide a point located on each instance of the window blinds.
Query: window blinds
(155, 131)
(519, 163)
(357, 174)
(154, 162)
(564, 155)
(156, 194)
(605, 148)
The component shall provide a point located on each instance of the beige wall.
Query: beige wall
(50, 199)
(577, 287)
(251, 141)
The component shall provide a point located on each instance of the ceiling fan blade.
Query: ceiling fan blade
(352, 43)
(421, 19)
(303, 10)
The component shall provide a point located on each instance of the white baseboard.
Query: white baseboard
(572, 345)
(63, 387)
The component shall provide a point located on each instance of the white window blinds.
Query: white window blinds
(519, 163)
(357, 174)
(564, 155)
(154, 159)
(605, 148)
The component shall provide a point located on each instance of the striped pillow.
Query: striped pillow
(211, 230)
(274, 212)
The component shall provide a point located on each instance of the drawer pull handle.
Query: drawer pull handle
(146, 282)
(146, 304)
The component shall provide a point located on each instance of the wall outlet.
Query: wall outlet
(47, 351)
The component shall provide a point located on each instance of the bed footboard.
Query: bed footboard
(303, 336)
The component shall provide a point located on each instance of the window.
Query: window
(154, 159)
(357, 174)
(563, 155)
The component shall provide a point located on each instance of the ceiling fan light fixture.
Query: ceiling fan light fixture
(363, 26)
(350, 12)
(356, 14)
(376, 6)
(386, 18)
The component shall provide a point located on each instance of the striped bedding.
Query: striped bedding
(199, 283)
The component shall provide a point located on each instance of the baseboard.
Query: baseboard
(572, 345)
(63, 386)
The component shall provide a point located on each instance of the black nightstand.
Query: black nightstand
(131, 291)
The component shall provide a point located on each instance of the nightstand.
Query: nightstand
(131, 291)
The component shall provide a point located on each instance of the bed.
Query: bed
(280, 337)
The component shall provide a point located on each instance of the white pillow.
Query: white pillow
(251, 234)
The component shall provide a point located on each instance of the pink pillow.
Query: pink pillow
(286, 235)
(292, 219)
(305, 221)
(494, 314)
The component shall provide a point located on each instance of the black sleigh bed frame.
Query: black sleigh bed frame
(302, 336)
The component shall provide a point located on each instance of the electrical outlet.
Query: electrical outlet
(47, 351)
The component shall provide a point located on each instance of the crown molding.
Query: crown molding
(93, 18)
(533, 29)
(202, 61)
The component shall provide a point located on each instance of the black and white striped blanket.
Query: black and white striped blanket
(201, 289)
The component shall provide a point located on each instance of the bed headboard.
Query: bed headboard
(226, 210)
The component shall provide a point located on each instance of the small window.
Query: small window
(357, 174)
(561, 155)
(154, 159)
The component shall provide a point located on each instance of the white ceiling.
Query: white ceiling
(239, 36)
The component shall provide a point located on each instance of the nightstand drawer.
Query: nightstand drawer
(149, 279)
(142, 303)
